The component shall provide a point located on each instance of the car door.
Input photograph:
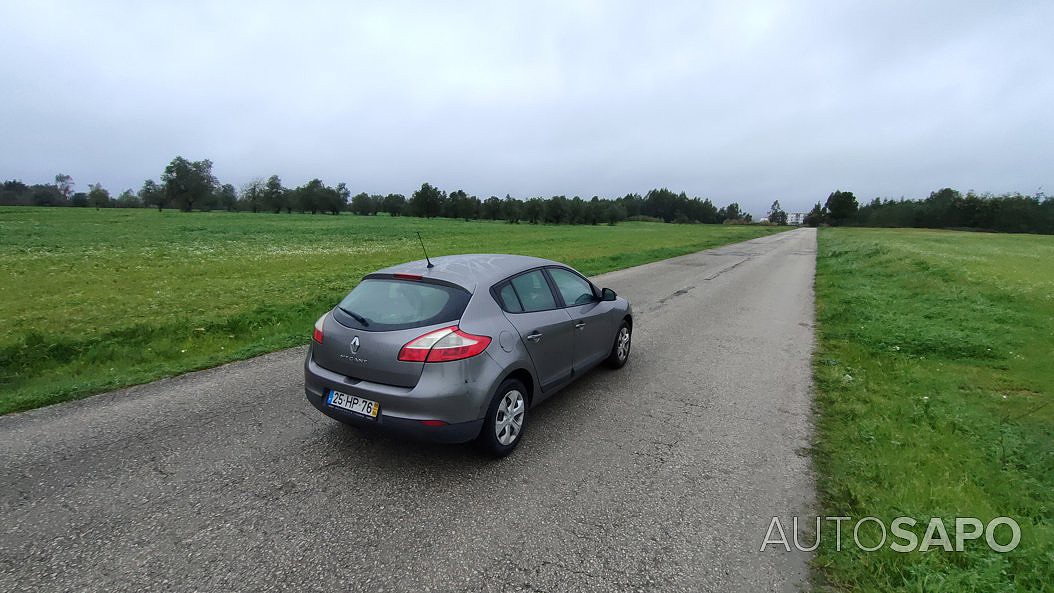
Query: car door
(591, 317)
(544, 327)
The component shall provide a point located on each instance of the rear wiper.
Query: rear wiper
(356, 316)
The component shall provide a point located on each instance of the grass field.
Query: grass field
(98, 299)
(934, 371)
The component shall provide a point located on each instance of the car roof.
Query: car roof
(472, 269)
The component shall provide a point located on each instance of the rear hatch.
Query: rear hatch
(363, 335)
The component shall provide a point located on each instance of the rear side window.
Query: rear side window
(509, 301)
(574, 289)
(533, 292)
(381, 304)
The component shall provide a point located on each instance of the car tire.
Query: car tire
(619, 350)
(501, 431)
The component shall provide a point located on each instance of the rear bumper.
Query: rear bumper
(456, 393)
(451, 433)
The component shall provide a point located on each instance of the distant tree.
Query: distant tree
(337, 198)
(816, 216)
(457, 204)
(492, 208)
(394, 204)
(461, 205)
(949, 208)
(79, 200)
(46, 195)
(98, 197)
(304, 198)
(556, 210)
(363, 204)
(706, 212)
(841, 206)
(427, 202)
(189, 183)
(13, 192)
(633, 203)
(730, 213)
(314, 197)
(511, 209)
(660, 203)
(293, 200)
(474, 208)
(776, 214)
(16, 193)
(64, 183)
(253, 194)
(1046, 219)
(533, 210)
(595, 210)
(275, 196)
(616, 212)
(733, 211)
(152, 194)
(576, 210)
(227, 197)
(128, 199)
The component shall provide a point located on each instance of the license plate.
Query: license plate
(353, 404)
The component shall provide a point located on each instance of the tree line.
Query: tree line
(191, 185)
(945, 208)
(660, 205)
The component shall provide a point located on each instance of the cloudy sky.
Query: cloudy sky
(735, 101)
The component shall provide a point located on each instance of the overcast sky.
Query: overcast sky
(734, 101)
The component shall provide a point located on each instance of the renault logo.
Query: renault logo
(355, 344)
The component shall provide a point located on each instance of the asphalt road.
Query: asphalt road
(662, 476)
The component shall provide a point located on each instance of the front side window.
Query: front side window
(574, 289)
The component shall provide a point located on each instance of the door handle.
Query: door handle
(580, 325)
(535, 336)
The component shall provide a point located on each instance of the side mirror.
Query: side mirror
(606, 294)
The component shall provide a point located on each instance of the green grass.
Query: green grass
(92, 300)
(934, 371)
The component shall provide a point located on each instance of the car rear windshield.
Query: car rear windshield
(382, 304)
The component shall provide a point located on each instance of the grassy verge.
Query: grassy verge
(934, 374)
(98, 299)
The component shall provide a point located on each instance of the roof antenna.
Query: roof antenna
(430, 264)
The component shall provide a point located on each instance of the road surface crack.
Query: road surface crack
(674, 294)
(731, 267)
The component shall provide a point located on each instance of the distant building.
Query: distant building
(796, 217)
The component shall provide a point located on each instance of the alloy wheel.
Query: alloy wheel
(508, 423)
(622, 349)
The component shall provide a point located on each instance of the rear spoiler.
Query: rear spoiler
(405, 276)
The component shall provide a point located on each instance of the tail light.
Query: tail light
(443, 345)
(317, 334)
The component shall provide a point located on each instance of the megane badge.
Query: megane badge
(355, 345)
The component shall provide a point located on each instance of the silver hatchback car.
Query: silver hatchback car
(461, 348)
